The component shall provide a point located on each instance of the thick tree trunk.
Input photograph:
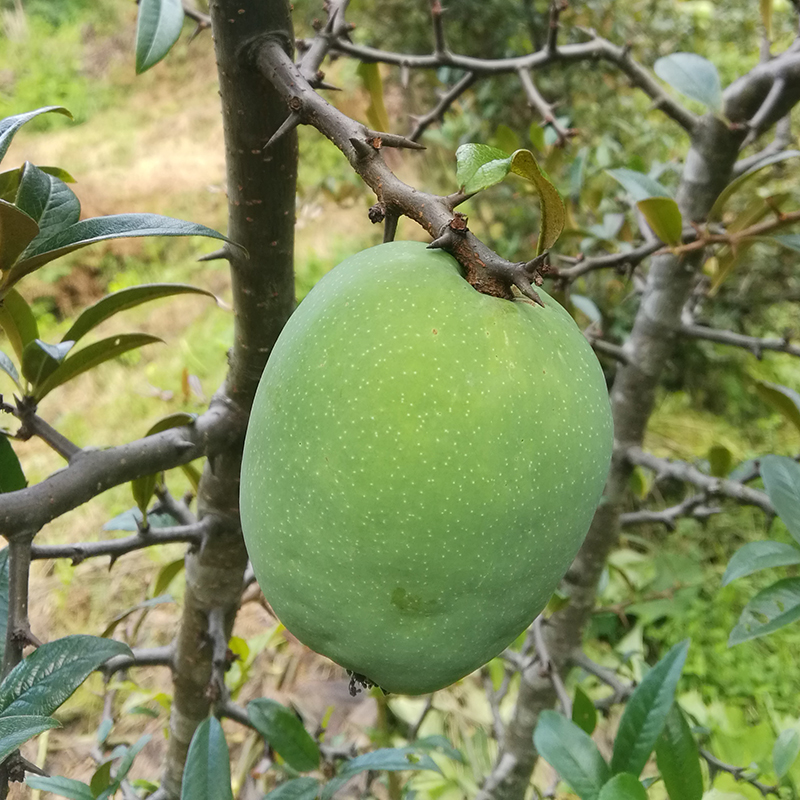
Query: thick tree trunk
(261, 203)
(707, 170)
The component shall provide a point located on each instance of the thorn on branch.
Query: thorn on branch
(289, 124)
(392, 140)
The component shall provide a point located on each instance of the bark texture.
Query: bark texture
(261, 204)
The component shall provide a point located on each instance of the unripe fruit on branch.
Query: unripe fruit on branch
(421, 466)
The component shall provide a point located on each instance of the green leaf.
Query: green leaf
(207, 774)
(720, 460)
(586, 306)
(285, 734)
(781, 477)
(295, 789)
(122, 300)
(572, 753)
(576, 174)
(127, 760)
(131, 520)
(624, 787)
(745, 177)
(16, 729)
(18, 322)
(9, 180)
(638, 185)
(781, 398)
(167, 574)
(12, 478)
(553, 213)
(40, 359)
(785, 751)
(791, 241)
(584, 714)
(7, 366)
(10, 125)
(17, 231)
(536, 135)
(51, 673)
(441, 743)
(678, 758)
(91, 356)
(693, 76)
(772, 608)
(664, 217)
(101, 779)
(3, 599)
(123, 615)
(63, 787)
(646, 712)
(479, 166)
(390, 759)
(101, 229)
(47, 200)
(370, 75)
(755, 556)
(157, 28)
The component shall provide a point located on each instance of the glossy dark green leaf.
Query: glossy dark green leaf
(639, 185)
(479, 166)
(664, 217)
(572, 753)
(781, 398)
(158, 27)
(62, 787)
(646, 712)
(785, 751)
(584, 714)
(9, 180)
(12, 479)
(772, 608)
(693, 76)
(7, 366)
(92, 356)
(3, 598)
(295, 789)
(10, 125)
(285, 733)
(389, 759)
(102, 229)
(17, 321)
(48, 200)
(124, 299)
(207, 774)
(746, 177)
(17, 231)
(51, 673)
(678, 758)
(781, 477)
(16, 729)
(40, 360)
(623, 787)
(755, 556)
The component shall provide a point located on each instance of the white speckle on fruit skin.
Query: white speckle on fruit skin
(387, 462)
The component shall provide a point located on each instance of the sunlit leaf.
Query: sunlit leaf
(479, 166)
(693, 76)
(158, 27)
(772, 608)
(40, 359)
(17, 231)
(572, 753)
(52, 672)
(782, 398)
(10, 125)
(678, 758)
(17, 321)
(91, 356)
(781, 477)
(638, 185)
(122, 300)
(664, 217)
(646, 712)
(207, 774)
(285, 733)
(553, 213)
(745, 177)
(755, 556)
(785, 751)
(370, 75)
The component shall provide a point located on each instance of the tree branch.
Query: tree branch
(142, 657)
(754, 344)
(739, 774)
